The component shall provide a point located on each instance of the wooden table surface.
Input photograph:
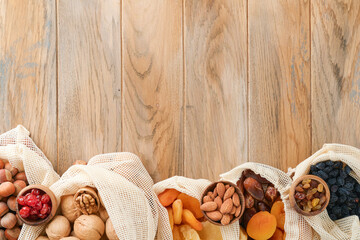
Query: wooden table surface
(193, 87)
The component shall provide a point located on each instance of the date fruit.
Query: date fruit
(254, 188)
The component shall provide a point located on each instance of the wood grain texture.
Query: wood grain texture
(279, 82)
(89, 82)
(28, 70)
(335, 72)
(153, 84)
(216, 87)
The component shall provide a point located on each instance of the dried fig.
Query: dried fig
(254, 188)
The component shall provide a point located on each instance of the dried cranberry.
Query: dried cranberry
(38, 206)
(45, 209)
(35, 192)
(24, 212)
(34, 212)
(31, 200)
(45, 198)
(21, 200)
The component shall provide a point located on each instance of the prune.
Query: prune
(340, 181)
(321, 165)
(334, 188)
(331, 181)
(254, 188)
(347, 169)
(338, 164)
(334, 173)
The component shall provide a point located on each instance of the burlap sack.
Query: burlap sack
(345, 228)
(17, 147)
(193, 188)
(295, 225)
(125, 188)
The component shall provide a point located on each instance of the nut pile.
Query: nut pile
(77, 222)
(222, 204)
(264, 215)
(344, 189)
(310, 195)
(186, 217)
(12, 182)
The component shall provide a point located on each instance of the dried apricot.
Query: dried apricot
(278, 211)
(192, 204)
(168, 196)
(189, 218)
(171, 217)
(261, 226)
(177, 208)
(278, 235)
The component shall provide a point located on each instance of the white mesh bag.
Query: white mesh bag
(22, 153)
(193, 188)
(125, 188)
(345, 228)
(295, 225)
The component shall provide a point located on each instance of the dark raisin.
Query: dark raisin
(343, 191)
(338, 165)
(345, 211)
(327, 169)
(349, 186)
(347, 169)
(329, 163)
(334, 188)
(340, 181)
(322, 175)
(342, 199)
(333, 217)
(320, 165)
(331, 181)
(333, 198)
(313, 169)
(342, 173)
(336, 210)
(334, 173)
(357, 188)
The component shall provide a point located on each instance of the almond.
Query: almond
(236, 199)
(229, 193)
(218, 202)
(206, 199)
(209, 194)
(227, 206)
(233, 210)
(237, 212)
(227, 187)
(208, 206)
(214, 215)
(225, 220)
(220, 188)
(215, 194)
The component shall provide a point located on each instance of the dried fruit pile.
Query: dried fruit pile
(310, 195)
(12, 182)
(186, 217)
(264, 215)
(34, 204)
(344, 189)
(222, 204)
(83, 216)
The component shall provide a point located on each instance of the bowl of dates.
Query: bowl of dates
(36, 204)
(309, 195)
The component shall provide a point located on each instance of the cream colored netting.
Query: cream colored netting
(345, 228)
(295, 225)
(17, 147)
(193, 188)
(125, 188)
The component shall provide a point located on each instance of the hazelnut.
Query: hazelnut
(2, 165)
(89, 227)
(69, 238)
(7, 189)
(12, 169)
(42, 238)
(4, 209)
(110, 231)
(21, 176)
(19, 185)
(80, 162)
(103, 214)
(58, 228)
(19, 221)
(68, 208)
(2, 234)
(11, 202)
(9, 220)
(5, 175)
(12, 234)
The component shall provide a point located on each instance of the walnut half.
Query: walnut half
(87, 200)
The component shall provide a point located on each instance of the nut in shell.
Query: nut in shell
(68, 208)
(89, 227)
(110, 231)
(87, 200)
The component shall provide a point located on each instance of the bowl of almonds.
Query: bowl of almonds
(222, 203)
(309, 195)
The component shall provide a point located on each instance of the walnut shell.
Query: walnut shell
(110, 231)
(70, 238)
(58, 228)
(89, 227)
(103, 214)
(87, 200)
(42, 238)
(68, 208)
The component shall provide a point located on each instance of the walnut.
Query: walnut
(89, 227)
(87, 200)
(58, 228)
(110, 231)
(68, 208)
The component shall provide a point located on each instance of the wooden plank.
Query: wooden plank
(89, 79)
(279, 82)
(28, 70)
(153, 84)
(335, 72)
(216, 86)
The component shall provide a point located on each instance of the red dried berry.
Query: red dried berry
(45, 198)
(38, 206)
(21, 200)
(45, 208)
(24, 212)
(35, 192)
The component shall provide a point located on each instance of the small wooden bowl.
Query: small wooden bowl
(293, 200)
(211, 187)
(53, 205)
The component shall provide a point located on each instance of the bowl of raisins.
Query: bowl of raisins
(309, 195)
(36, 204)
